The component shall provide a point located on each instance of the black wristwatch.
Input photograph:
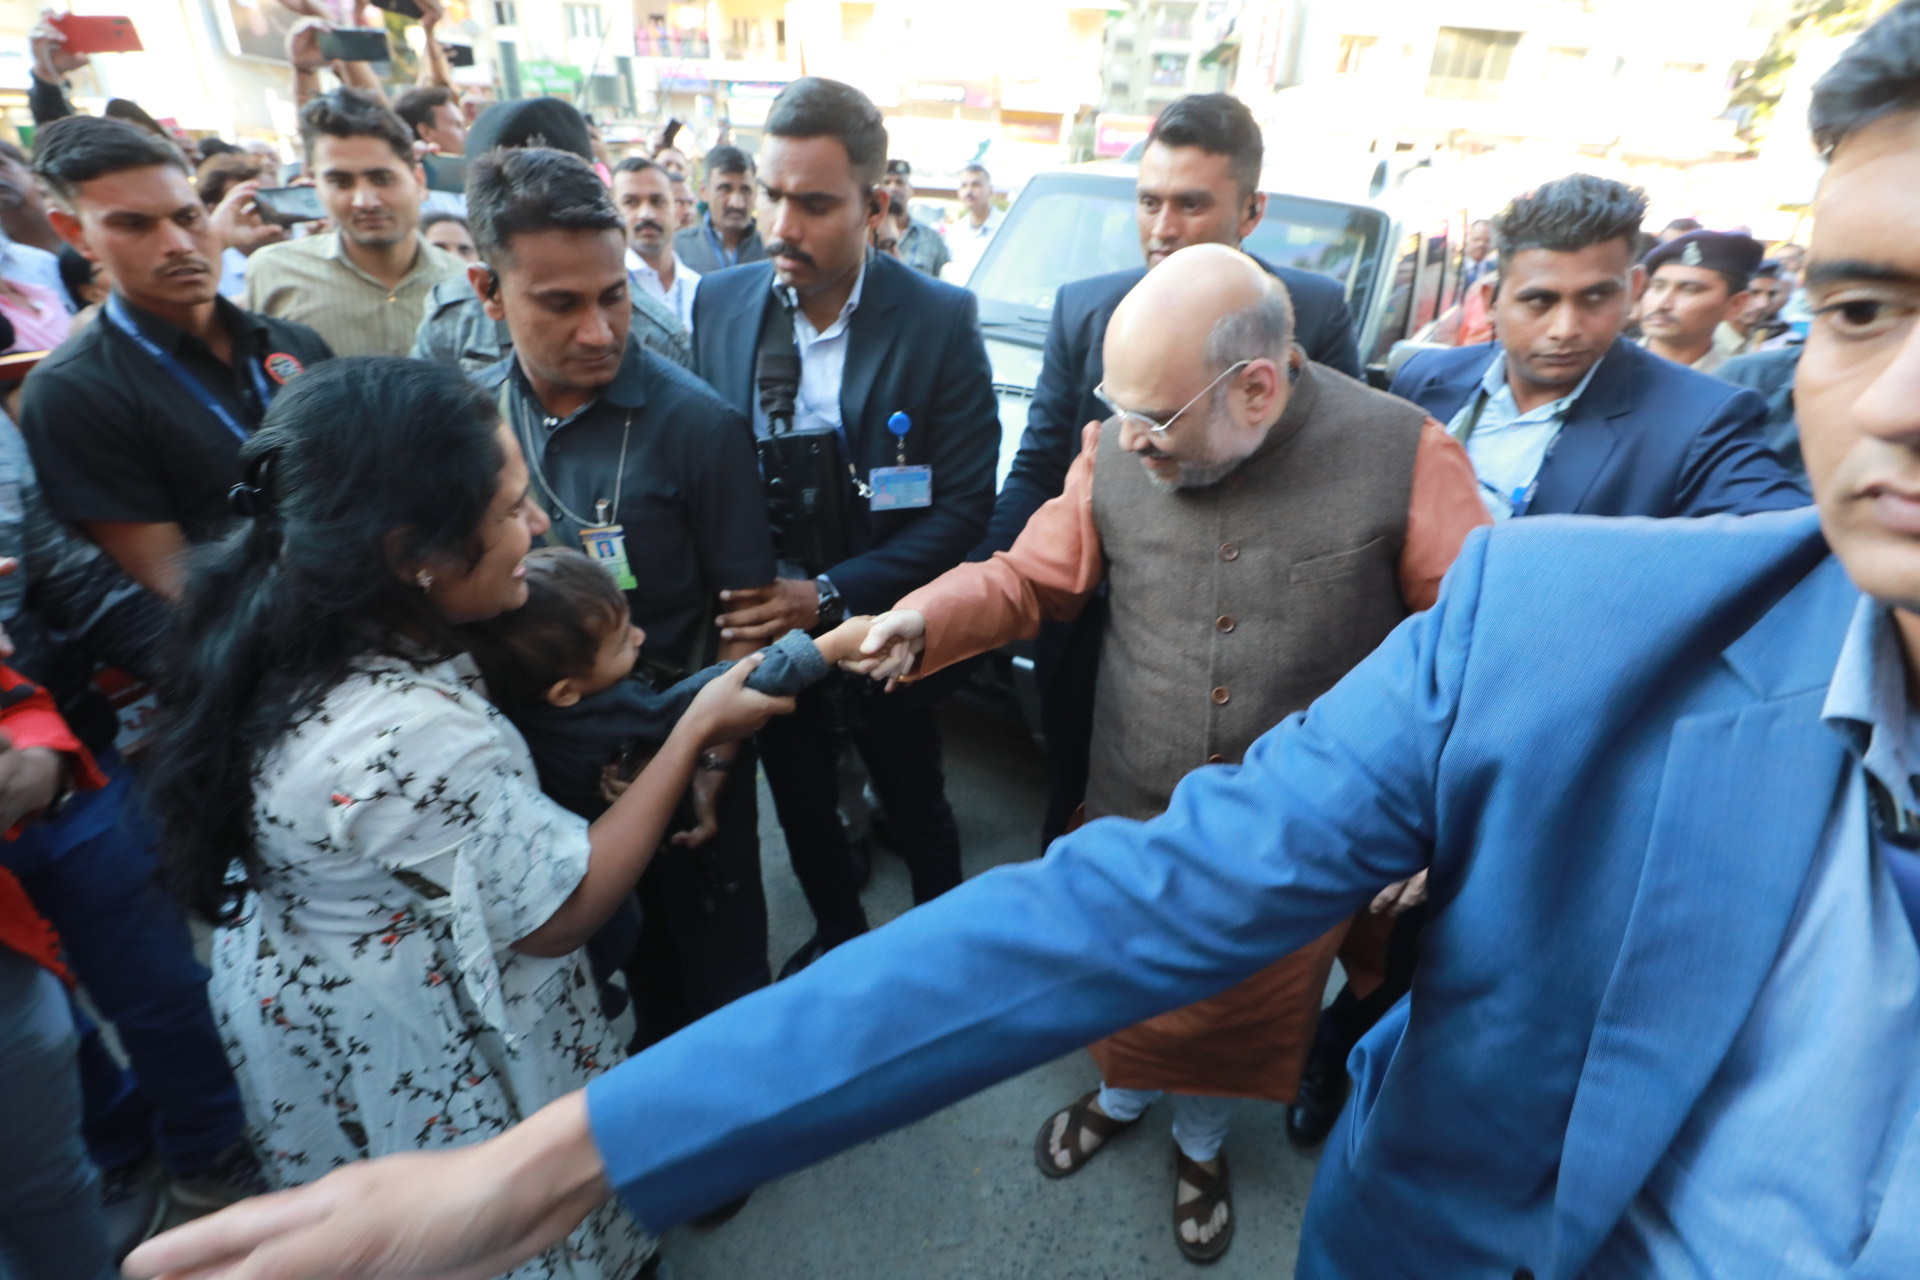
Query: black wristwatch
(833, 610)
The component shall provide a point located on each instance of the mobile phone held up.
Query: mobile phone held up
(285, 206)
(405, 8)
(87, 33)
(355, 44)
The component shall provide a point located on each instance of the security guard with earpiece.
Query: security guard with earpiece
(892, 371)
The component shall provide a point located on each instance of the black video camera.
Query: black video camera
(806, 481)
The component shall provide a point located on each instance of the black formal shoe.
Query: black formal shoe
(720, 1217)
(1323, 1090)
(810, 950)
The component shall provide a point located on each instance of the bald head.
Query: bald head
(1171, 315)
(1207, 318)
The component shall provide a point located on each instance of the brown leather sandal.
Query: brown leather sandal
(1081, 1119)
(1215, 1190)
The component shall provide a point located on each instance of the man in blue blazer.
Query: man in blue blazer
(893, 361)
(1565, 416)
(1199, 183)
(1668, 1012)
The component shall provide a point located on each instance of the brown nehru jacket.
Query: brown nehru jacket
(1233, 606)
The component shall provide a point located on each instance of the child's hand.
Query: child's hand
(727, 711)
(842, 644)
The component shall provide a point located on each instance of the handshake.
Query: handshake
(884, 647)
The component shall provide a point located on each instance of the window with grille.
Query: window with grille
(585, 20)
(1469, 62)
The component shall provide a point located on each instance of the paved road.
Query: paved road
(957, 1196)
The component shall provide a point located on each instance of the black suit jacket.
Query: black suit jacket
(1074, 364)
(1648, 437)
(913, 347)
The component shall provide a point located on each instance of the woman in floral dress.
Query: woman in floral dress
(400, 966)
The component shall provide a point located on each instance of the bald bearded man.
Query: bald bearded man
(1262, 522)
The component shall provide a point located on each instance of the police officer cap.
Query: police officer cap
(531, 122)
(1727, 252)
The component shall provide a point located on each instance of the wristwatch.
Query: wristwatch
(833, 610)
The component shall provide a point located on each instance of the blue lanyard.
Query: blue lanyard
(1520, 499)
(719, 249)
(116, 312)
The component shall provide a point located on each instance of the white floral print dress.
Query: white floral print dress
(370, 999)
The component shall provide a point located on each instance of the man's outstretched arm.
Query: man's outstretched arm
(1120, 921)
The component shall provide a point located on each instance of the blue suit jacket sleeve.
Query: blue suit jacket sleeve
(1323, 324)
(1730, 469)
(1120, 921)
(963, 429)
(1048, 446)
(1411, 375)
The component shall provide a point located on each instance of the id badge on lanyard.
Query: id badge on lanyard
(606, 545)
(900, 487)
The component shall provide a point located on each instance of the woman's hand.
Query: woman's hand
(727, 711)
(463, 1214)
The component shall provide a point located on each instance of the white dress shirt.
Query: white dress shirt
(679, 298)
(967, 242)
(823, 363)
(1507, 447)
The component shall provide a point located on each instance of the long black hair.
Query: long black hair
(360, 465)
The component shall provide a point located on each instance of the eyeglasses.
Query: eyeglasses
(1153, 426)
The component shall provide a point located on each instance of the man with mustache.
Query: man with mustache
(728, 235)
(136, 421)
(1697, 288)
(644, 192)
(892, 363)
(1260, 523)
(363, 284)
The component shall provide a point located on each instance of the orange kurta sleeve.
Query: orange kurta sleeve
(1054, 566)
(1444, 507)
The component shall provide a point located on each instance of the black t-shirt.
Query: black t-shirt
(116, 437)
(689, 497)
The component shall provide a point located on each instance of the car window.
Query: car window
(1061, 234)
(1068, 227)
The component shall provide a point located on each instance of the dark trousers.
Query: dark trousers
(703, 919)
(91, 873)
(1350, 1017)
(50, 1222)
(900, 742)
(1066, 663)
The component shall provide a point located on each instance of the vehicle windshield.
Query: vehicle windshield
(1068, 227)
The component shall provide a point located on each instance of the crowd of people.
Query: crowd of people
(414, 588)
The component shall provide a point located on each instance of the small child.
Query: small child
(561, 667)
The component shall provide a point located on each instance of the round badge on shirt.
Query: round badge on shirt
(280, 366)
